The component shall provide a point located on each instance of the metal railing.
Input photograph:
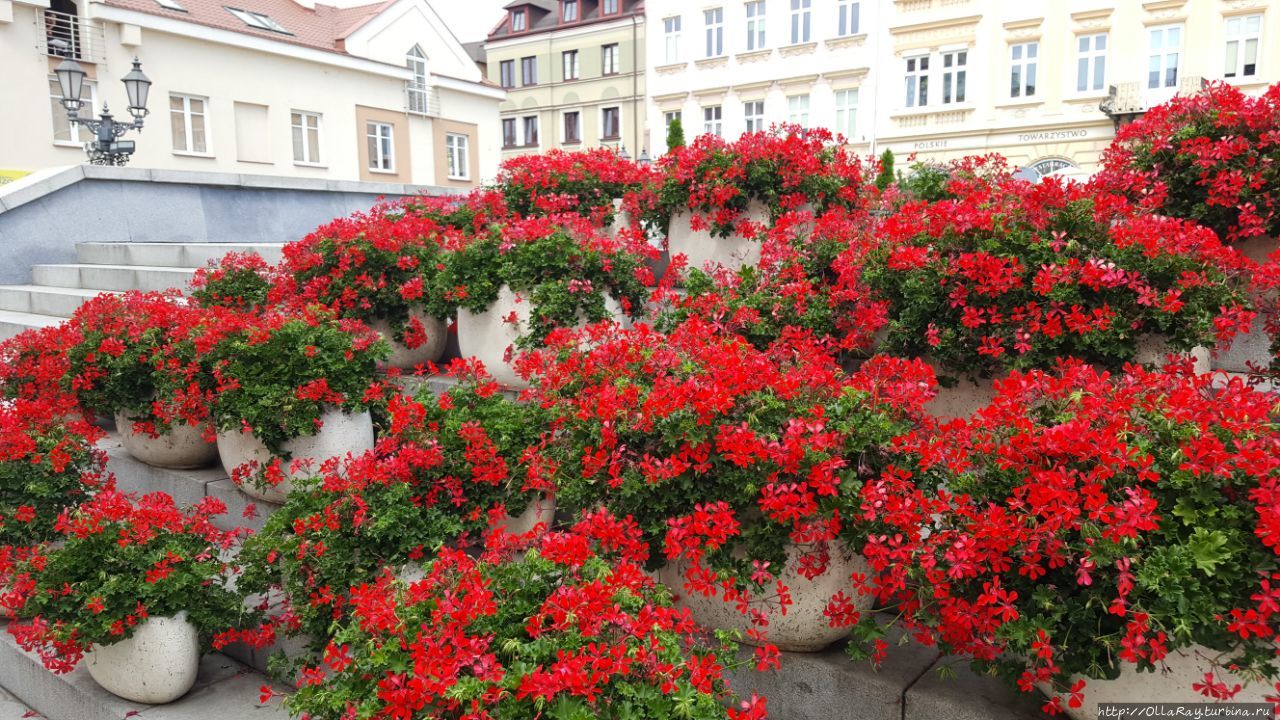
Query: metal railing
(65, 35)
(421, 100)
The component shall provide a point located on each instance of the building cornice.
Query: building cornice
(568, 31)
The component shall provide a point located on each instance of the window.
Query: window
(531, 131)
(714, 20)
(306, 137)
(509, 133)
(847, 18)
(755, 25)
(1091, 62)
(1022, 70)
(382, 155)
(610, 123)
(569, 11)
(457, 147)
(518, 21)
(416, 61)
(846, 113)
(1165, 45)
(1243, 36)
(800, 17)
(1052, 165)
(753, 113)
(609, 7)
(671, 29)
(570, 62)
(529, 70)
(712, 120)
(954, 75)
(507, 73)
(63, 132)
(671, 116)
(187, 115)
(573, 127)
(798, 110)
(917, 79)
(609, 59)
(171, 5)
(258, 21)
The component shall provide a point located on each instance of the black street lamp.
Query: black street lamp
(106, 148)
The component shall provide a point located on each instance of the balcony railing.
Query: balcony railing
(65, 35)
(421, 100)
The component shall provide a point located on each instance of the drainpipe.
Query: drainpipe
(635, 86)
(875, 82)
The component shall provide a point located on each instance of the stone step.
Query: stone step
(224, 689)
(43, 300)
(112, 277)
(12, 323)
(175, 255)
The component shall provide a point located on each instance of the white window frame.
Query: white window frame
(373, 131)
(846, 113)
(756, 22)
(259, 21)
(671, 27)
(459, 155)
(570, 65)
(671, 116)
(713, 120)
(713, 19)
(1241, 38)
(753, 115)
(801, 21)
(1024, 60)
(1158, 58)
(954, 66)
(798, 109)
(188, 124)
(303, 127)
(79, 134)
(519, 22)
(848, 17)
(605, 4)
(916, 80)
(419, 100)
(1091, 62)
(610, 59)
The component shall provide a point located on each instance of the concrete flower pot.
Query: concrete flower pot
(157, 664)
(967, 396)
(340, 433)
(491, 334)
(405, 358)
(1154, 350)
(540, 510)
(804, 627)
(182, 447)
(701, 247)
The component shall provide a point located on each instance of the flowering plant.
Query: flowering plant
(372, 266)
(572, 628)
(276, 372)
(134, 355)
(1012, 275)
(120, 563)
(584, 183)
(566, 268)
(240, 281)
(1212, 157)
(46, 465)
(1083, 521)
(34, 366)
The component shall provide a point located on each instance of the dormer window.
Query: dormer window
(609, 7)
(518, 23)
(569, 11)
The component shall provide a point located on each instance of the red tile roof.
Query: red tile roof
(323, 28)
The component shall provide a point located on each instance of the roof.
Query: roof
(322, 28)
(546, 16)
(475, 51)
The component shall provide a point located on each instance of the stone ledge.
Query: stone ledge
(967, 696)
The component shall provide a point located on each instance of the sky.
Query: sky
(470, 19)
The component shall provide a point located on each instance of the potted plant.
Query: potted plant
(1105, 538)
(293, 391)
(572, 627)
(134, 359)
(34, 366)
(515, 283)
(585, 183)
(138, 591)
(379, 268)
(239, 281)
(739, 465)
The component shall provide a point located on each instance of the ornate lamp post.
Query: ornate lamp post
(106, 148)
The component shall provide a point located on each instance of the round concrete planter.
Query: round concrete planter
(804, 628)
(339, 434)
(1154, 350)
(490, 336)
(405, 358)
(541, 510)
(157, 664)
(701, 247)
(967, 396)
(1170, 684)
(182, 447)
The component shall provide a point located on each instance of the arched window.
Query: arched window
(416, 61)
(1050, 165)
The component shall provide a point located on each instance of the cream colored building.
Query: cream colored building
(946, 78)
(574, 74)
(379, 92)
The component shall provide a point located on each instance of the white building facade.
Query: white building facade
(379, 92)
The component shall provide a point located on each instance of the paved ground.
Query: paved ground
(13, 709)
